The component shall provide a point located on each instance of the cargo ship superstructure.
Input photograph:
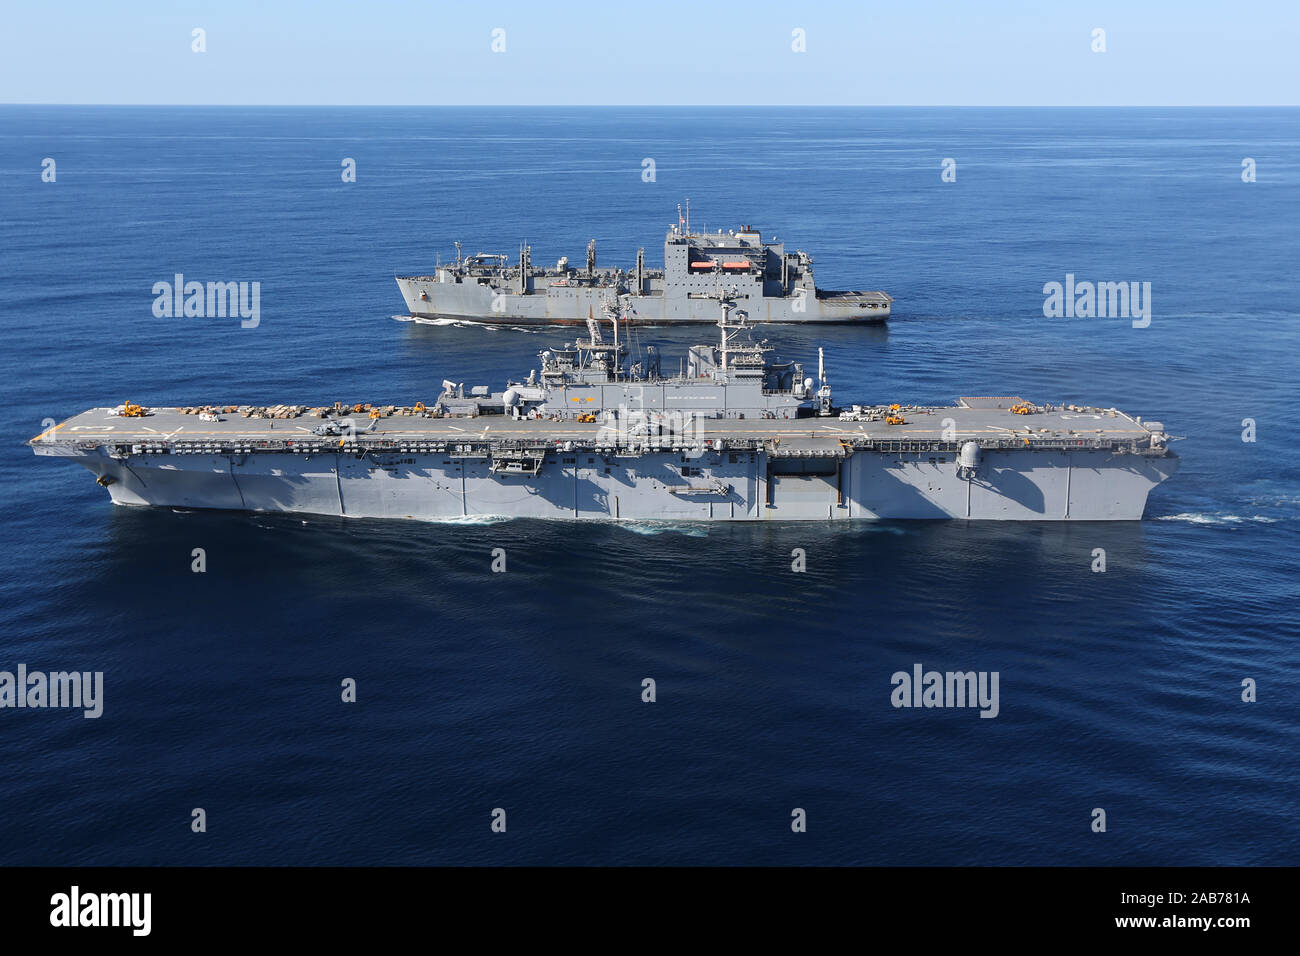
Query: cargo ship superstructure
(771, 284)
(597, 432)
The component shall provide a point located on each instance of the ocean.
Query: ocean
(522, 691)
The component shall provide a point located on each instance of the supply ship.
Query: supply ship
(771, 284)
(597, 432)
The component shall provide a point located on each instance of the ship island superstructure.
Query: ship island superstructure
(770, 283)
(598, 432)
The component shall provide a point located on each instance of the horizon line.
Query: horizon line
(696, 106)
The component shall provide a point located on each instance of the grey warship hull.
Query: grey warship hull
(769, 283)
(736, 436)
(731, 470)
(427, 297)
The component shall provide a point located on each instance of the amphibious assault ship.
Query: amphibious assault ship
(596, 433)
(771, 284)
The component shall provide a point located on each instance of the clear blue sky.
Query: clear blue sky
(726, 52)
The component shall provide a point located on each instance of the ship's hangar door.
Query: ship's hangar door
(804, 487)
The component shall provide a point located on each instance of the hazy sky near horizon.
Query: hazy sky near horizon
(666, 52)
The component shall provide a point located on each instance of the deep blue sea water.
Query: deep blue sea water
(1119, 690)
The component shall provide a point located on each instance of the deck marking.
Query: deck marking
(50, 431)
